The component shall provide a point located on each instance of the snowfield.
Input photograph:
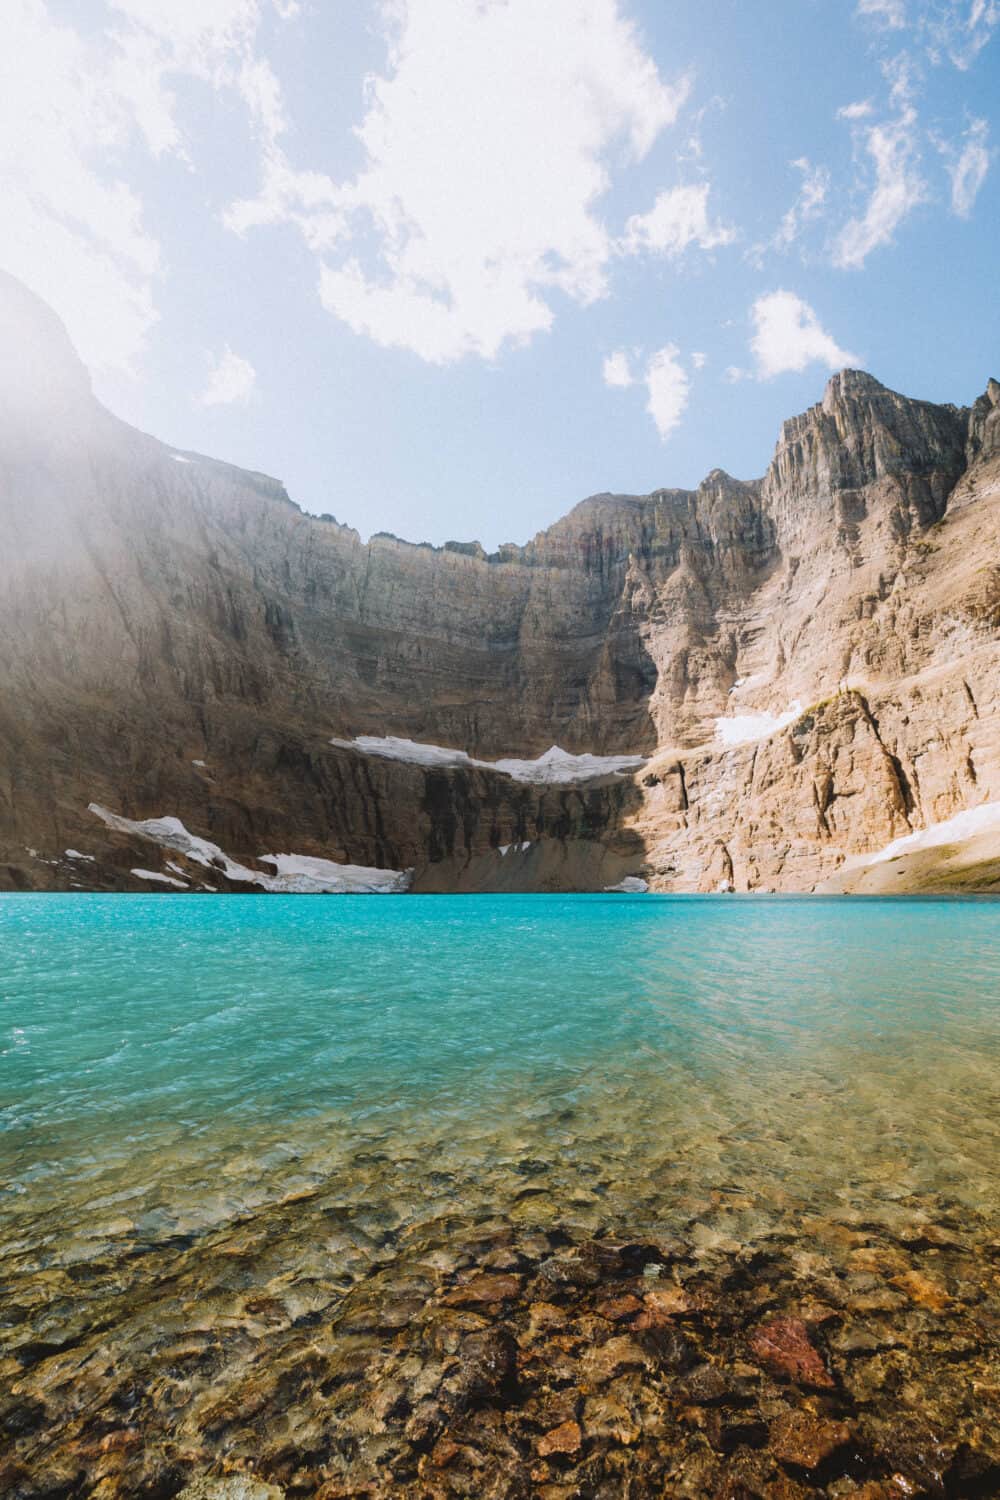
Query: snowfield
(964, 825)
(743, 729)
(300, 874)
(182, 885)
(555, 767)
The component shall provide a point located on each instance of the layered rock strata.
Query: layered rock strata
(805, 664)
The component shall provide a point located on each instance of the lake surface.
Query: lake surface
(717, 1073)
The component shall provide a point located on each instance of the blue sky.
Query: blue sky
(447, 266)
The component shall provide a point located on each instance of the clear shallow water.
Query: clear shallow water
(150, 1044)
(265, 1164)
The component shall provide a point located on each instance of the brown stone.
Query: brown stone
(805, 1440)
(606, 1417)
(566, 1438)
(618, 1309)
(878, 1261)
(783, 1346)
(483, 1290)
(922, 1290)
(606, 1360)
(444, 1450)
(667, 1301)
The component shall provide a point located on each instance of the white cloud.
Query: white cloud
(617, 370)
(677, 219)
(960, 29)
(733, 374)
(668, 386)
(808, 205)
(488, 147)
(888, 13)
(231, 382)
(665, 378)
(74, 235)
(859, 110)
(699, 360)
(898, 189)
(956, 30)
(968, 167)
(71, 106)
(788, 336)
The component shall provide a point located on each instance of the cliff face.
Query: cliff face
(178, 639)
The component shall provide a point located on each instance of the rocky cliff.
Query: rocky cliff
(756, 685)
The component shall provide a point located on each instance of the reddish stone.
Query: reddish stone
(783, 1346)
(445, 1449)
(616, 1309)
(566, 1438)
(663, 1303)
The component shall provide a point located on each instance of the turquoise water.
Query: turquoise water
(151, 1046)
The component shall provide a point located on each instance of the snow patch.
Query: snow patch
(294, 873)
(181, 885)
(391, 747)
(75, 854)
(305, 873)
(632, 885)
(179, 458)
(198, 763)
(554, 767)
(559, 766)
(742, 729)
(964, 825)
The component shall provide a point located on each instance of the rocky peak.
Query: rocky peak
(984, 425)
(862, 432)
(42, 378)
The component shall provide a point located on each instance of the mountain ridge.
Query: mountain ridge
(175, 644)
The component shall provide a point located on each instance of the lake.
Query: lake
(258, 1154)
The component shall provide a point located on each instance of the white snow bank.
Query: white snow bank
(75, 854)
(294, 873)
(181, 885)
(310, 873)
(964, 825)
(632, 885)
(741, 729)
(558, 766)
(390, 747)
(555, 766)
(179, 458)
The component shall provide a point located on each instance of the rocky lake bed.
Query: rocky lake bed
(500, 1197)
(511, 1337)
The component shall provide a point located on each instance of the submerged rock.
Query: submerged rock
(784, 1347)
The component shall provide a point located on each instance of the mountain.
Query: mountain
(754, 685)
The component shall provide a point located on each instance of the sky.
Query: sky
(445, 267)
